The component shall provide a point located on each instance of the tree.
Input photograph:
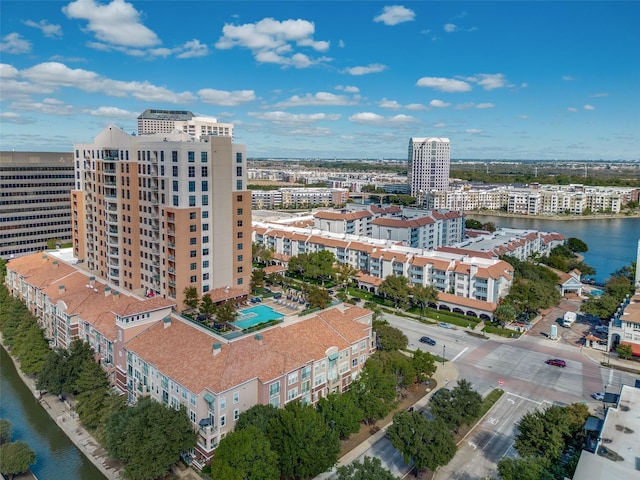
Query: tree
(423, 364)
(369, 469)
(576, 245)
(472, 224)
(341, 412)
(489, 227)
(425, 443)
(396, 363)
(317, 297)
(466, 400)
(442, 408)
(5, 430)
(390, 338)
(257, 279)
(374, 391)
(396, 288)
(504, 314)
(149, 430)
(190, 297)
(377, 311)
(245, 455)
(257, 416)
(206, 308)
(624, 351)
(15, 458)
(528, 468)
(344, 274)
(226, 312)
(423, 296)
(542, 433)
(306, 446)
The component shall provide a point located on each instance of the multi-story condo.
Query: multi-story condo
(156, 213)
(34, 200)
(149, 351)
(287, 197)
(168, 121)
(429, 161)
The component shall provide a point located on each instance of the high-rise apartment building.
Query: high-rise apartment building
(167, 121)
(156, 213)
(429, 160)
(34, 200)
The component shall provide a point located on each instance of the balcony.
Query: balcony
(172, 284)
(171, 245)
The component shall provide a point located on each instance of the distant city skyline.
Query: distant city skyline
(351, 80)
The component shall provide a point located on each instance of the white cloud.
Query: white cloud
(290, 119)
(271, 41)
(589, 107)
(391, 104)
(572, 109)
(473, 130)
(112, 112)
(567, 78)
(15, 44)
(194, 48)
(438, 104)
(415, 106)
(59, 75)
(13, 117)
(485, 105)
(341, 43)
(49, 30)
(49, 106)
(395, 14)
(348, 88)
(450, 27)
(523, 117)
(489, 81)
(369, 118)
(317, 99)
(8, 71)
(444, 84)
(225, 98)
(365, 70)
(464, 106)
(116, 23)
(598, 95)
(440, 125)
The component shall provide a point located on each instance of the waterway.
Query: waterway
(57, 458)
(612, 242)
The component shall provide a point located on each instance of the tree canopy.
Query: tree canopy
(395, 288)
(341, 412)
(423, 443)
(369, 469)
(375, 391)
(15, 458)
(390, 338)
(245, 454)
(149, 438)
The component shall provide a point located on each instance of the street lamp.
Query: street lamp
(443, 357)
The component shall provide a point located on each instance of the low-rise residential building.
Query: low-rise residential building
(149, 350)
(287, 197)
(624, 327)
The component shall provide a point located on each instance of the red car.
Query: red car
(556, 362)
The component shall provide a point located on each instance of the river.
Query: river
(612, 242)
(57, 458)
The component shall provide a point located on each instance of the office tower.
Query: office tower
(429, 160)
(167, 121)
(156, 213)
(34, 200)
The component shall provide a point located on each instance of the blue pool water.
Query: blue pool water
(255, 315)
(596, 293)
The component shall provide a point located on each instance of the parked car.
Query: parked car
(556, 362)
(427, 340)
(598, 395)
(445, 325)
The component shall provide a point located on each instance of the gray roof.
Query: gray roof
(175, 115)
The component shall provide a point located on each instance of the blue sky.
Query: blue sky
(303, 79)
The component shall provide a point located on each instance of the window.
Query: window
(192, 215)
(174, 171)
(192, 279)
(223, 403)
(239, 235)
(205, 251)
(238, 184)
(193, 228)
(240, 257)
(191, 156)
(239, 199)
(223, 420)
(192, 241)
(205, 264)
(192, 172)
(239, 223)
(205, 200)
(174, 156)
(240, 281)
(239, 246)
(193, 266)
(239, 269)
(203, 157)
(236, 414)
(238, 171)
(193, 254)
(205, 214)
(205, 185)
(236, 397)
(204, 171)
(205, 239)
(192, 200)
(175, 201)
(274, 389)
(205, 276)
(192, 186)
(293, 378)
(239, 157)
(205, 227)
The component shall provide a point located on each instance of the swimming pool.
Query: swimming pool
(255, 315)
(596, 293)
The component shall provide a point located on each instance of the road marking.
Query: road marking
(492, 420)
(610, 376)
(524, 398)
(511, 401)
(472, 445)
(458, 355)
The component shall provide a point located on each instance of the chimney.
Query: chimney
(107, 290)
(114, 294)
(91, 280)
(55, 262)
(217, 348)
(167, 321)
(258, 338)
(61, 288)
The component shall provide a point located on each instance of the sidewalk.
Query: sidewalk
(444, 376)
(612, 359)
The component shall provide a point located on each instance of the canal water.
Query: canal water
(612, 242)
(57, 458)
